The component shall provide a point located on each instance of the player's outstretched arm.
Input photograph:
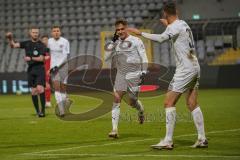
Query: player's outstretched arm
(11, 42)
(135, 31)
(155, 37)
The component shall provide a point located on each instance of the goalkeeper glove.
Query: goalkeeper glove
(115, 37)
(142, 77)
(54, 70)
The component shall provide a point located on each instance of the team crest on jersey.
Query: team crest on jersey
(125, 45)
(35, 52)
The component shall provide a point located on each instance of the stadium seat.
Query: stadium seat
(79, 9)
(73, 48)
(89, 29)
(143, 6)
(135, 7)
(127, 7)
(98, 49)
(110, 14)
(128, 14)
(111, 8)
(104, 14)
(138, 20)
(81, 22)
(12, 61)
(90, 47)
(120, 14)
(97, 30)
(73, 30)
(87, 9)
(88, 15)
(81, 47)
(136, 13)
(151, 6)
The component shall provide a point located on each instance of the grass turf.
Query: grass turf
(23, 136)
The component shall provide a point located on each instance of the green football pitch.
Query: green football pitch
(23, 136)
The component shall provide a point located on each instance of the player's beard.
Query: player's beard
(35, 38)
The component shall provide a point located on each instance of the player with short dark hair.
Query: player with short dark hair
(129, 57)
(34, 56)
(186, 76)
(59, 51)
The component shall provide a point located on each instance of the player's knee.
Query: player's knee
(117, 99)
(168, 103)
(56, 85)
(40, 89)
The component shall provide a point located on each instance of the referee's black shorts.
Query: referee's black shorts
(36, 76)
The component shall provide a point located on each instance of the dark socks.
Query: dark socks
(35, 102)
(43, 101)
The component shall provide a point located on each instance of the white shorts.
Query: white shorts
(61, 75)
(126, 84)
(184, 81)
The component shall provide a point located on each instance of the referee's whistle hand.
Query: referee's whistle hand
(26, 58)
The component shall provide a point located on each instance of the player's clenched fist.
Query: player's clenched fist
(9, 35)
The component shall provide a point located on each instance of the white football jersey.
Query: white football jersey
(130, 55)
(182, 45)
(59, 50)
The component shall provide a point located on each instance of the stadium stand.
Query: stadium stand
(230, 56)
(83, 20)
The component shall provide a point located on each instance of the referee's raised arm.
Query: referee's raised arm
(11, 42)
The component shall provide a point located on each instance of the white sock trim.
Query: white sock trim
(197, 109)
(170, 109)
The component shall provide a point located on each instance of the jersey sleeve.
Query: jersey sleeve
(168, 34)
(142, 52)
(66, 49)
(23, 44)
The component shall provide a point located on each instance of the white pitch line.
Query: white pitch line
(139, 155)
(117, 143)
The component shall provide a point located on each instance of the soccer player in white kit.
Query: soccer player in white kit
(129, 56)
(59, 51)
(186, 76)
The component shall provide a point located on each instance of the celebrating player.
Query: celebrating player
(35, 58)
(186, 76)
(59, 50)
(129, 57)
(44, 40)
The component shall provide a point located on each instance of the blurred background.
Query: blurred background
(215, 25)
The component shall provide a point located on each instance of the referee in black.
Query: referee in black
(34, 56)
